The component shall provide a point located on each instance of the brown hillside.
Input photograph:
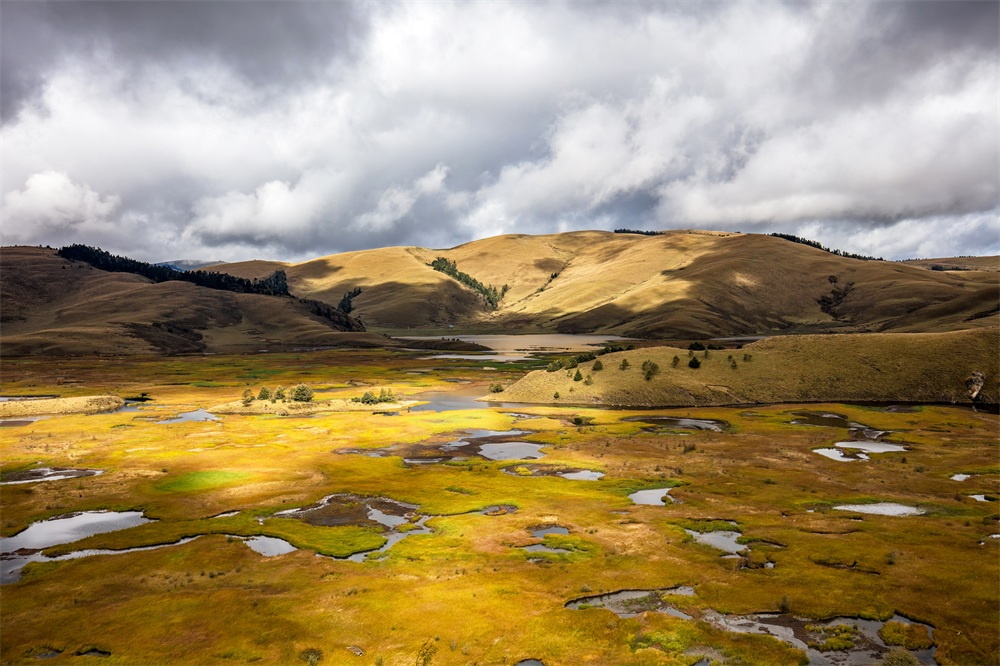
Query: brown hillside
(54, 306)
(681, 284)
(879, 367)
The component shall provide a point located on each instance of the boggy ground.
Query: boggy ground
(467, 592)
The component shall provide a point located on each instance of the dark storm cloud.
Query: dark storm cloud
(237, 129)
(272, 45)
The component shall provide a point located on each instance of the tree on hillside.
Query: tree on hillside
(279, 393)
(624, 364)
(694, 363)
(674, 363)
(265, 393)
(577, 377)
(247, 397)
(649, 369)
(598, 366)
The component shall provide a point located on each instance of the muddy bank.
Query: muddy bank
(93, 404)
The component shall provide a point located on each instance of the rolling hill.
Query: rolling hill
(678, 284)
(52, 306)
(877, 367)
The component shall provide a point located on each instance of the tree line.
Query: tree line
(490, 294)
(820, 246)
(274, 285)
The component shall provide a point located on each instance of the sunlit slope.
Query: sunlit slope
(676, 284)
(881, 367)
(55, 306)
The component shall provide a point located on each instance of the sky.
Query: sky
(288, 130)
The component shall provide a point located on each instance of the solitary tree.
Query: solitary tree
(577, 377)
(598, 366)
(247, 397)
(674, 363)
(694, 362)
(624, 365)
(649, 369)
(589, 380)
(302, 393)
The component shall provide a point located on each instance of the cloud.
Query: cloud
(52, 205)
(246, 129)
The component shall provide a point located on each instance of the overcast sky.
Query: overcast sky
(288, 130)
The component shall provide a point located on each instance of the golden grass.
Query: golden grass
(931, 367)
(467, 588)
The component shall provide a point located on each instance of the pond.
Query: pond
(882, 509)
(26, 546)
(679, 423)
(724, 540)
(47, 474)
(196, 415)
(654, 497)
(630, 603)
(268, 546)
(872, 447)
(511, 451)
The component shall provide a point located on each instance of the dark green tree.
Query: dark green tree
(598, 366)
(624, 364)
(578, 376)
(302, 393)
(265, 393)
(694, 362)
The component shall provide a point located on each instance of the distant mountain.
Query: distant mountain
(675, 284)
(187, 264)
(54, 306)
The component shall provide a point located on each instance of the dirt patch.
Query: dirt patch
(86, 405)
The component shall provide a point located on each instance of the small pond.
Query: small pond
(196, 415)
(552, 529)
(629, 603)
(26, 546)
(724, 540)
(872, 447)
(542, 548)
(654, 497)
(268, 546)
(511, 451)
(882, 509)
(47, 474)
(673, 422)
(841, 455)
(572, 473)
(961, 477)
(582, 475)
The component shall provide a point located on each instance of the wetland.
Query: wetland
(550, 534)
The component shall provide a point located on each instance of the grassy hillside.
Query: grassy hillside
(55, 306)
(683, 284)
(883, 367)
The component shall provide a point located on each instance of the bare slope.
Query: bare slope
(55, 306)
(881, 367)
(677, 284)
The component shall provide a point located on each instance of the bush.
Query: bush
(265, 393)
(624, 364)
(302, 393)
(247, 397)
(279, 393)
(696, 346)
(649, 369)
(311, 656)
(899, 657)
(598, 366)
(556, 395)
(496, 387)
(554, 366)
(673, 363)
(578, 376)
(572, 363)
(910, 636)
(588, 380)
(694, 363)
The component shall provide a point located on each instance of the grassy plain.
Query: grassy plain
(466, 592)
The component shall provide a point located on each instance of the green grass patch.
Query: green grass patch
(910, 636)
(197, 481)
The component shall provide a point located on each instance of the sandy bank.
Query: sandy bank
(305, 408)
(85, 405)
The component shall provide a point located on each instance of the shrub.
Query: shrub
(588, 380)
(694, 363)
(598, 366)
(311, 656)
(696, 346)
(556, 395)
(265, 393)
(279, 393)
(673, 363)
(624, 364)
(247, 397)
(302, 393)
(649, 369)
(572, 363)
(554, 366)
(496, 387)
(386, 395)
(584, 357)
(578, 376)
(899, 657)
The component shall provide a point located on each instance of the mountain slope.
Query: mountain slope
(676, 284)
(55, 306)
